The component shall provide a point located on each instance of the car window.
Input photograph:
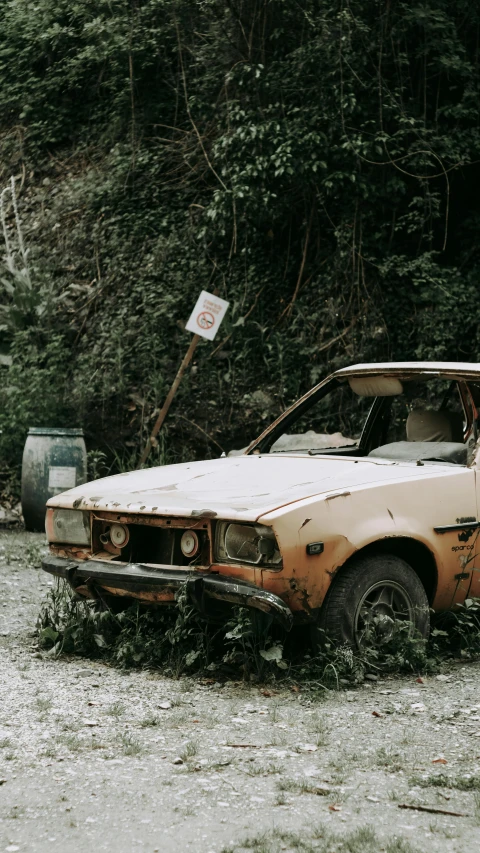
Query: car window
(425, 394)
(337, 420)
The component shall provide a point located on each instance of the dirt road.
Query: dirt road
(94, 758)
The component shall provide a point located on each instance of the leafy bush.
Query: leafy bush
(248, 645)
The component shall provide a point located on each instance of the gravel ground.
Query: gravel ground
(92, 757)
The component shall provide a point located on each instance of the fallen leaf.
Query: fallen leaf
(439, 760)
(266, 693)
(334, 808)
(295, 688)
(376, 714)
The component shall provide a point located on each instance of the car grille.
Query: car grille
(155, 541)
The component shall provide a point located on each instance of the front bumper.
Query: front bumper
(137, 578)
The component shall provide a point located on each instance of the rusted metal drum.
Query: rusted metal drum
(54, 460)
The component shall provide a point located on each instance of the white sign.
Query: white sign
(61, 477)
(207, 315)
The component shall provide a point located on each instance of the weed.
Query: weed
(150, 720)
(389, 759)
(177, 640)
(296, 786)
(264, 769)
(189, 751)
(443, 780)
(363, 840)
(116, 710)
(393, 796)
(129, 744)
(440, 829)
(71, 741)
(34, 553)
(43, 703)
(5, 742)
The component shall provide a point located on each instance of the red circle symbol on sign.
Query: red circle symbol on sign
(205, 320)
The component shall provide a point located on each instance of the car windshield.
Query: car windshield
(335, 421)
(335, 417)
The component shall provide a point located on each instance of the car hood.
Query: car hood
(244, 487)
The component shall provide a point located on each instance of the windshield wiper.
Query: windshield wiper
(319, 452)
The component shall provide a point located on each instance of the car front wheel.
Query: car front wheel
(371, 598)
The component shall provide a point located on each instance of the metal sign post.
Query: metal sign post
(204, 322)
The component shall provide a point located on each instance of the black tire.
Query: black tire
(368, 597)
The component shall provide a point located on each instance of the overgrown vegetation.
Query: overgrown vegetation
(315, 161)
(322, 840)
(248, 646)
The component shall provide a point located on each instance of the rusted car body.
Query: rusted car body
(383, 524)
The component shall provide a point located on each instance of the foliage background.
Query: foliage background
(316, 161)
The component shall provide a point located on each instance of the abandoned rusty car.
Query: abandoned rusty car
(355, 510)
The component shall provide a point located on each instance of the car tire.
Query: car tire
(368, 597)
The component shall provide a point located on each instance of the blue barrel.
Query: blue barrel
(54, 460)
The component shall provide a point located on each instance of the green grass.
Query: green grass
(130, 745)
(320, 840)
(444, 780)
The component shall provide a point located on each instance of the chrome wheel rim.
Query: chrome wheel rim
(381, 608)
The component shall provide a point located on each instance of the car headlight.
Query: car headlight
(70, 526)
(247, 543)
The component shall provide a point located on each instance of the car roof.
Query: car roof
(465, 370)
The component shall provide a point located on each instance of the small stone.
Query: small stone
(177, 760)
(371, 677)
(84, 673)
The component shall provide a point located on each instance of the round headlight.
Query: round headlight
(189, 543)
(119, 535)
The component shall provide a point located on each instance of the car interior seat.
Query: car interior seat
(428, 425)
(431, 437)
